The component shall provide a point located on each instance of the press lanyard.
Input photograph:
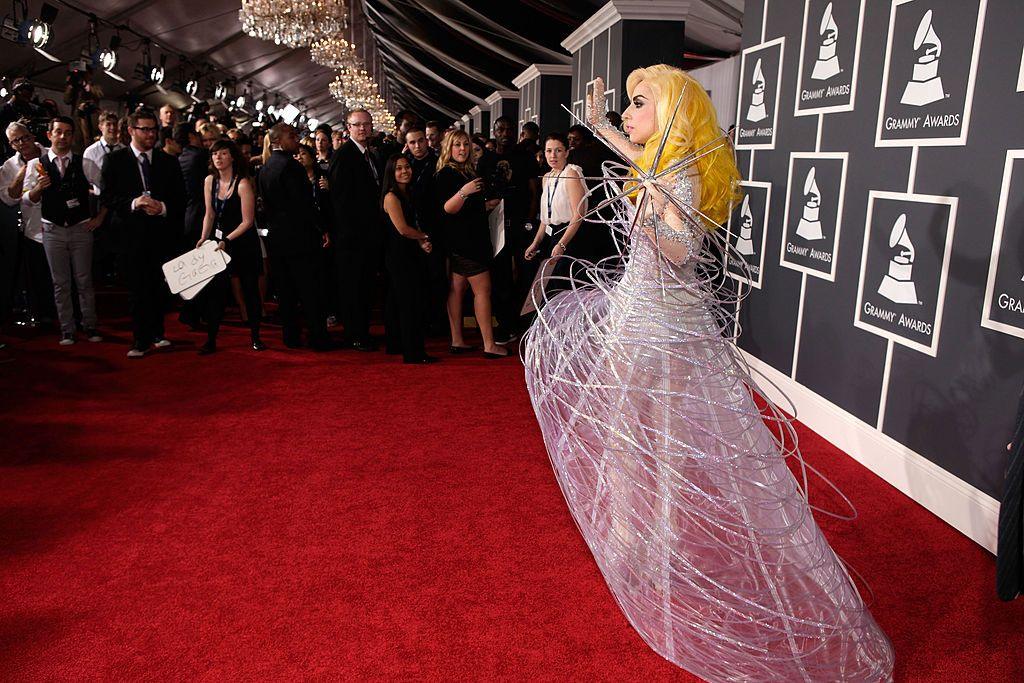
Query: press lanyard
(552, 188)
(218, 203)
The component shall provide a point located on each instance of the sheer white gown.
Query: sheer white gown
(676, 477)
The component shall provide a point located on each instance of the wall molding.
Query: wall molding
(967, 509)
(499, 95)
(619, 10)
(536, 70)
(475, 110)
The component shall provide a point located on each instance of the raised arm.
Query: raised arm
(596, 111)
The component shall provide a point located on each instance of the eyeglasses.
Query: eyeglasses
(21, 139)
(146, 129)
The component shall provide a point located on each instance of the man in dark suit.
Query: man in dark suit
(142, 186)
(295, 239)
(355, 180)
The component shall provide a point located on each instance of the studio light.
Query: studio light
(221, 91)
(191, 87)
(156, 72)
(107, 59)
(39, 32)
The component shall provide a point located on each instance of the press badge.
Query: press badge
(73, 203)
(218, 233)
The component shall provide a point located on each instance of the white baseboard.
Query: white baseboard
(965, 508)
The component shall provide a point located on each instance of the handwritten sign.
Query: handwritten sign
(189, 273)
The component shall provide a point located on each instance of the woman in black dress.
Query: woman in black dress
(230, 213)
(467, 235)
(405, 261)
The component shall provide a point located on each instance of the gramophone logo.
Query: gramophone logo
(1003, 309)
(809, 227)
(757, 111)
(925, 86)
(829, 55)
(746, 233)
(904, 267)
(827, 64)
(745, 243)
(898, 284)
(814, 206)
(757, 102)
(930, 68)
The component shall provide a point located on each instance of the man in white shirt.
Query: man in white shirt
(31, 255)
(94, 154)
(108, 244)
(56, 182)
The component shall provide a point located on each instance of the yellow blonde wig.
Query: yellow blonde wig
(445, 159)
(695, 125)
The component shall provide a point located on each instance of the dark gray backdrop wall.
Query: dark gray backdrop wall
(892, 277)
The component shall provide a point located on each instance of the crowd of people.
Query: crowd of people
(334, 225)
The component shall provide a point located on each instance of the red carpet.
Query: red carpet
(342, 516)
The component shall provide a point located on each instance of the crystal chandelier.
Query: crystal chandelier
(295, 23)
(355, 89)
(334, 52)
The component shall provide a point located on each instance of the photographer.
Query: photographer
(18, 107)
(83, 97)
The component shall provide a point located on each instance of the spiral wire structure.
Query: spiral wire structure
(672, 460)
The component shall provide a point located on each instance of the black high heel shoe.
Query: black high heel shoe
(456, 350)
(258, 345)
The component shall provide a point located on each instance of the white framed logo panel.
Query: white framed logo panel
(747, 232)
(1020, 75)
(1003, 310)
(757, 112)
(814, 213)
(829, 56)
(904, 267)
(931, 61)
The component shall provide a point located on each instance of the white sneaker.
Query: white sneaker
(162, 343)
(93, 336)
(67, 339)
(136, 353)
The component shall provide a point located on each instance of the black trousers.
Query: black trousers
(357, 273)
(37, 281)
(215, 296)
(147, 291)
(297, 280)
(408, 296)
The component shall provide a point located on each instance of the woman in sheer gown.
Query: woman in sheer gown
(676, 478)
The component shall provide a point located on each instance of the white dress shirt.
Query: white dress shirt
(555, 206)
(31, 214)
(92, 162)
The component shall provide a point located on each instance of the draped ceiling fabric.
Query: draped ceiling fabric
(436, 57)
(443, 57)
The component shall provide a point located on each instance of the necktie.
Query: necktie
(373, 168)
(144, 164)
(63, 165)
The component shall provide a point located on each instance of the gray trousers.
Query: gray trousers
(69, 253)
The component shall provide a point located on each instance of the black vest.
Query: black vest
(72, 186)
